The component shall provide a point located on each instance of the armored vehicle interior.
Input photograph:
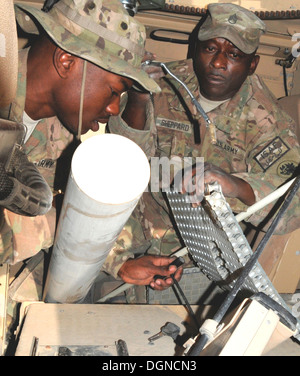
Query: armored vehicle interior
(106, 325)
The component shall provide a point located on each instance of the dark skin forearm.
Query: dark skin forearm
(232, 186)
(244, 191)
(134, 113)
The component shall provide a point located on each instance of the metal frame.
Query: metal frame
(217, 244)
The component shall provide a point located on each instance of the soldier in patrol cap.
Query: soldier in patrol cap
(251, 148)
(86, 54)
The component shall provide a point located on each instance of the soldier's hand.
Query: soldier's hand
(6, 184)
(232, 186)
(141, 271)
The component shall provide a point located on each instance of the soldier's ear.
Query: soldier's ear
(63, 62)
(254, 64)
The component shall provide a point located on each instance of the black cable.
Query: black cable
(199, 345)
(285, 81)
(48, 5)
(168, 39)
(188, 306)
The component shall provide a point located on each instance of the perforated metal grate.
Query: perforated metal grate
(217, 243)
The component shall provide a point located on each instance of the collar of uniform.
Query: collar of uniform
(235, 106)
(18, 104)
(228, 115)
(233, 109)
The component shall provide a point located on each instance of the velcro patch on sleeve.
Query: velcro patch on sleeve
(271, 153)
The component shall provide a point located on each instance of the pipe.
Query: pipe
(108, 175)
(265, 201)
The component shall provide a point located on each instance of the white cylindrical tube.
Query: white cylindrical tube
(108, 175)
(264, 201)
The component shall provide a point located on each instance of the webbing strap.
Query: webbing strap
(81, 99)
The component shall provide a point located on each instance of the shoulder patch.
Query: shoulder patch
(176, 125)
(286, 168)
(271, 153)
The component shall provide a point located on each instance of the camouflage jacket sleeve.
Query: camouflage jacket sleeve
(271, 151)
(21, 237)
(146, 138)
(130, 243)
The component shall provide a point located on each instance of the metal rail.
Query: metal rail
(263, 15)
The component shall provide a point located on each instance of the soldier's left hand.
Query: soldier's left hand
(141, 271)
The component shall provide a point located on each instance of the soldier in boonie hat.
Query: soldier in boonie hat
(70, 80)
(239, 25)
(99, 31)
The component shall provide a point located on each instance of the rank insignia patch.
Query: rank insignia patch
(271, 153)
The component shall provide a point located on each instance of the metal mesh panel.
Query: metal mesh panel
(217, 243)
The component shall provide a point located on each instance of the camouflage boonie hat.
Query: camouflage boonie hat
(99, 31)
(239, 25)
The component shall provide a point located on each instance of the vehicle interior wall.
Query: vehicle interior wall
(168, 30)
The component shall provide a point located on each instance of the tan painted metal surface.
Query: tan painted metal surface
(250, 4)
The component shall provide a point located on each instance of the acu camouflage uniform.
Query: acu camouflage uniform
(256, 142)
(22, 237)
(98, 31)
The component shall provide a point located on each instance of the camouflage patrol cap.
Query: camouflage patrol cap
(235, 23)
(99, 31)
